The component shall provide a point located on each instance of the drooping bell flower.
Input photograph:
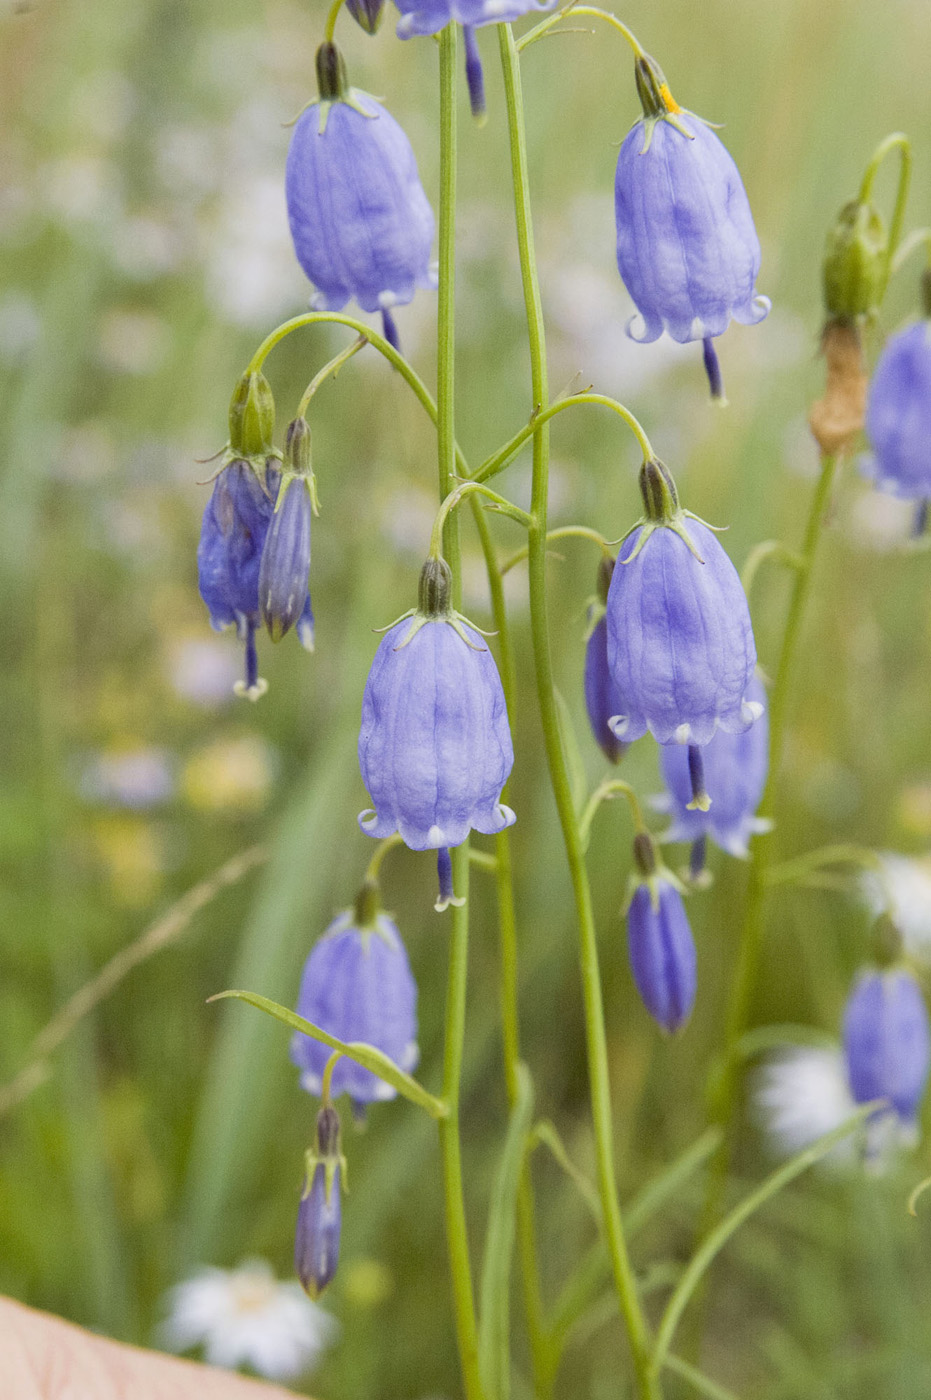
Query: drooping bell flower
(236, 522)
(434, 746)
(687, 250)
(898, 413)
(602, 700)
(361, 224)
(319, 1215)
(357, 985)
(285, 566)
(735, 768)
(887, 1043)
(659, 940)
(680, 642)
(430, 16)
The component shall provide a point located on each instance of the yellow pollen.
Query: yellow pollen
(670, 102)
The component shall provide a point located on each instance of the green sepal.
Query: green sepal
(330, 1164)
(252, 418)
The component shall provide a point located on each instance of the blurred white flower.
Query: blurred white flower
(134, 778)
(881, 522)
(799, 1095)
(245, 1317)
(901, 887)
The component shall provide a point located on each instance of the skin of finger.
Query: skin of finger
(44, 1358)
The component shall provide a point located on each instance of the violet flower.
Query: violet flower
(898, 415)
(735, 769)
(687, 250)
(680, 641)
(357, 985)
(319, 1215)
(434, 746)
(602, 698)
(659, 941)
(887, 1043)
(360, 221)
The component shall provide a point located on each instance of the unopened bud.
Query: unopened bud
(854, 265)
(367, 14)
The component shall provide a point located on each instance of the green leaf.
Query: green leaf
(494, 1295)
(719, 1236)
(365, 1055)
(578, 781)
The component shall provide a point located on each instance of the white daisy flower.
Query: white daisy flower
(245, 1317)
(902, 888)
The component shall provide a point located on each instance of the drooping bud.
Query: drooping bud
(435, 589)
(252, 418)
(659, 941)
(854, 261)
(285, 568)
(368, 14)
(886, 1040)
(475, 77)
(316, 1240)
(332, 80)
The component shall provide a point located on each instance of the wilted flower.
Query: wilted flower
(360, 221)
(687, 249)
(319, 1215)
(659, 941)
(245, 1317)
(680, 642)
(357, 985)
(887, 1042)
(602, 698)
(434, 746)
(735, 768)
(898, 415)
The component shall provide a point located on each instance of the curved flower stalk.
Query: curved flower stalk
(680, 641)
(687, 249)
(361, 224)
(735, 768)
(434, 747)
(357, 985)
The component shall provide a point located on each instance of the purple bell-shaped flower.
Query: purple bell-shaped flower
(357, 985)
(361, 224)
(687, 250)
(319, 1215)
(602, 699)
(434, 746)
(898, 415)
(735, 768)
(886, 1042)
(680, 642)
(659, 941)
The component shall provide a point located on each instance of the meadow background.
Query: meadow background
(143, 255)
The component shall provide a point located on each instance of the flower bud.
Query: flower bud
(316, 1239)
(660, 943)
(252, 417)
(283, 591)
(368, 14)
(854, 261)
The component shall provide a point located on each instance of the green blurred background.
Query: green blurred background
(143, 255)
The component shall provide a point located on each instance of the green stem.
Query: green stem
(330, 28)
(500, 459)
(751, 939)
(455, 499)
(603, 793)
(576, 10)
(450, 1144)
(332, 367)
(648, 1384)
(898, 141)
(564, 532)
(540, 1350)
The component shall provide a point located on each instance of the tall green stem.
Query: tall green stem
(648, 1384)
(751, 939)
(450, 1145)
